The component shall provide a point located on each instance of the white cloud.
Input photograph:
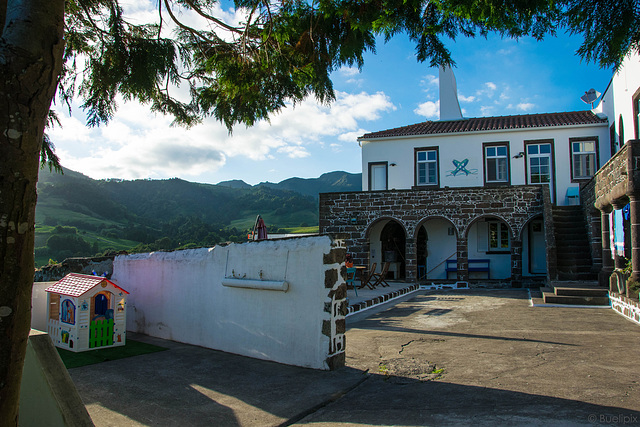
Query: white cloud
(526, 106)
(488, 90)
(294, 151)
(352, 136)
(140, 144)
(429, 109)
(466, 98)
(486, 110)
(349, 71)
(336, 148)
(430, 80)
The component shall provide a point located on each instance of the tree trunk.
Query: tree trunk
(31, 46)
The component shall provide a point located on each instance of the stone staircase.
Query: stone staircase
(573, 250)
(574, 293)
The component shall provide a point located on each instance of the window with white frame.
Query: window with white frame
(496, 163)
(498, 236)
(583, 158)
(427, 167)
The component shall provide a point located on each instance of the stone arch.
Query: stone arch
(485, 240)
(465, 231)
(421, 222)
(387, 239)
(523, 227)
(367, 231)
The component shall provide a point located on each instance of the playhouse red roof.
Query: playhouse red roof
(74, 284)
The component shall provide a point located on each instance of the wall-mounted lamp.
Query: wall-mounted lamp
(392, 164)
(519, 155)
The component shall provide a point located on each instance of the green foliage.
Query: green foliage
(611, 28)
(284, 51)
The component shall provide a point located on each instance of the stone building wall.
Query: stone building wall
(349, 216)
(53, 272)
(593, 222)
(615, 185)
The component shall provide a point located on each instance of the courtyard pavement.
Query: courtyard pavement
(467, 357)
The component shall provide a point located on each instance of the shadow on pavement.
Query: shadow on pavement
(391, 400)
(194, 386)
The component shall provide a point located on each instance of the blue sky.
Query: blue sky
(495, 77)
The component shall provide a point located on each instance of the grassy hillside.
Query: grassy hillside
(80, 216)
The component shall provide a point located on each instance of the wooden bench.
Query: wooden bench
(475, 266)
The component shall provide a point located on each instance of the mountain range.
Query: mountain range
(80, 216)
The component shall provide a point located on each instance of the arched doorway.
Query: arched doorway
(489, 239)
(387, 243)
(534, 248)
(436, 242)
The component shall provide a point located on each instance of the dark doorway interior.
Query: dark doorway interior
(393, 242)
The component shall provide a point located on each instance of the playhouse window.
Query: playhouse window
(498, 236)
(68, 312)
(54, 306)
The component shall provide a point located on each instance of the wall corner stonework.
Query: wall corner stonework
(335, 305)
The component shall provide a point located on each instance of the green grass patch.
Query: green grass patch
(300, 230)
(90, 357)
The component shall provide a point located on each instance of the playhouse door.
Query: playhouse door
(101, 333)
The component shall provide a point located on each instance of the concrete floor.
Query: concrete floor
(472, 357)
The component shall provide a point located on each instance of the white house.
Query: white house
(462, 198)
(560, 150)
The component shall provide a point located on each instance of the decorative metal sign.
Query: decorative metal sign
(461, 168)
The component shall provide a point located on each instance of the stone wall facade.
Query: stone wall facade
(52, 273)
(350, 216)
(615, 185)
(593, 222)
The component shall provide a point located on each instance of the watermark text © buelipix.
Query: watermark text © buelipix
(622, 419)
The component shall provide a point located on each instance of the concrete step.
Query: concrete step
(570, 239)
(575, 259)
(562, 275)
(552, 298)
(581, 292)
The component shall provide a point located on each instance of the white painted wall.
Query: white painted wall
(180, 296)
(440, 246)
(616, 101)
(39, 307)
(462, 146)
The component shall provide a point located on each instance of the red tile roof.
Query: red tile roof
(491, 123)
(74, 284)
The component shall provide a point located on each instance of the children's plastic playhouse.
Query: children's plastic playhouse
(86, 313)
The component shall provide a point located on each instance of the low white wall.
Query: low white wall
(296, 318)
(39, 308)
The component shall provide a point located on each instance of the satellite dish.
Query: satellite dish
(590, 96)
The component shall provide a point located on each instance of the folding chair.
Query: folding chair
(381, 276)
(351, 279)
(366, 281)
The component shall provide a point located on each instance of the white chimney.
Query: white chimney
(449, 105)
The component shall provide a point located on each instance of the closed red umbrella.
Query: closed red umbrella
(259, 229)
